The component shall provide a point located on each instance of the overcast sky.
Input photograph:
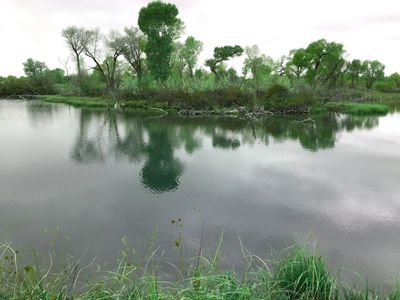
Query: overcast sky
(369, 29)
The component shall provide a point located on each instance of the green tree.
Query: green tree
(190, 53)
(354, 69)
(373, 70)
(133, 50)
(56, 75)
(76, 38)
(222, 54)
(34, 68)
(177, 62)
(298, 62)
(395, 78)
(104, 52)
(325, 61)
(160, 23)
(258, 65)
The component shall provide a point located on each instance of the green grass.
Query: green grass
(100, 102)
(357, 108)
(303, 275)
(297, 273)
(143, 105)
(77, 101)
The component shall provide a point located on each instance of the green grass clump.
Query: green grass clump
(297, 274)
(99, 102)
(304, 275)
(357, 108)
(318, 110)
(77, 101)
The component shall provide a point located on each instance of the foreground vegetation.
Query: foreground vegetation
(297, 273)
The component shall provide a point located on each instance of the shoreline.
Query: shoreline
(343, 107)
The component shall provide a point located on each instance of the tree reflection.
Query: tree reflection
(156, 143)
(39, 112)
(223, 142)
(87, 149)
(162, 169)
(128, 144)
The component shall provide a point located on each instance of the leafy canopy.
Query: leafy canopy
(160, 23)
(222, 54)
(34, 68)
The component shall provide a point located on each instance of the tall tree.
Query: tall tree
(160, 23)
(354, 69)
(104, 52)
(34, 68)
(177, 62)
(325, 60)
(222, 54)
(65, 63)
(298, 62)
(395, 78)
(373, 70)
(76, 39)
(190, 53)
(133, 49)
(259, 65)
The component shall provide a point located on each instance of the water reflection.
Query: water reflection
(100, 176)
(162, 169)
(87, 149)
(41, 112)
(155, 141)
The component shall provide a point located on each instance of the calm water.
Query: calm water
(84, 179)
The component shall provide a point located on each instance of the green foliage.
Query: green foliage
(389, 84)
(297, 274)
(301, 275)
(91, 85)
(355, 68)
(160, 24)
(357, 108)
(222, 54)
(259, 65)
(227, 52)
(280, 98)
(184, 58)
(12, 85)
(133, 50)
(76, 38)
(395, 79)
(190, 53)
(373, 71)
(104, 52)
(298, 62)
(148, 63)
(34, 68)
(39, 80)
(326, 60)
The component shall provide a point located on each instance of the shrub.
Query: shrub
(304, 275)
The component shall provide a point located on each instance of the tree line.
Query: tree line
(152, 57)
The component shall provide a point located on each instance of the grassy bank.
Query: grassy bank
(145, 105)
(100, 102)
(296, 273)
(357, 108)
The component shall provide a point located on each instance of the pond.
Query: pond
(83, 179)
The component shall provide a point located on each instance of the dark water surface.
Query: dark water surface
(84, 179)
